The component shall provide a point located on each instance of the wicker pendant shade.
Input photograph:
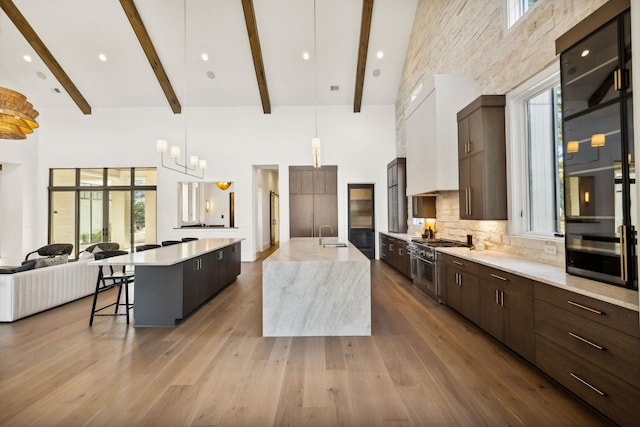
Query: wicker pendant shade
(17, 116)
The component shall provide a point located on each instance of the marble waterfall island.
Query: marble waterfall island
(311, 290)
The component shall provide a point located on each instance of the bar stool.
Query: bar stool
(189, 239)
(119, 277)
(146, 247)
(170, 242)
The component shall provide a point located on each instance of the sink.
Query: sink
(334, 245)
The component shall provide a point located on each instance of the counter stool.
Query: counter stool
(119, 277)
(146, 247)
(189, 239)
(170, 242)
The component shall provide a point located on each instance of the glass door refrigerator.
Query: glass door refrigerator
(599, 161)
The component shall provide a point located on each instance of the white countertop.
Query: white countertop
(549, 274)
(169, 255)
(402, 236)
(309, 249)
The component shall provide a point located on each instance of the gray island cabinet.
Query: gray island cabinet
(173, 281)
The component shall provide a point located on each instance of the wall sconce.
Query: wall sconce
(186, 168)
(573, 146)
(315, 151)
(223, 185)
(586, 197)
(597, 140)
(207, 206)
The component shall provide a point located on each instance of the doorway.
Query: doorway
(266, 207)
(274, 235)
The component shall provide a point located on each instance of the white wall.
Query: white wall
(232, 140)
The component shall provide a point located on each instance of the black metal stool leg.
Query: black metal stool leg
(95, 297)
(118, 298)
(126, 298)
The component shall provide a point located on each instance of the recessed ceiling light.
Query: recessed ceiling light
(42, 75)
(211, 75)
(380, 54)
(376, 72)
(27, 58)
(305, 55)
(584, 53)
(102, 57)
(204, 57)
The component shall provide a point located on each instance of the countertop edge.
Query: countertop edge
(551, 275)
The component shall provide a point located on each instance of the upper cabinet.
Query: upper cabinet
(482, 159)
(431, 131)
(397, 195)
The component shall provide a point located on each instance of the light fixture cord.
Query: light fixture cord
(186, 152)
(315, 67)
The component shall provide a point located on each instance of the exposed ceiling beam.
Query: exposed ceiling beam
(50, 61)
(149, 50)
(256, 52)
(365, 27)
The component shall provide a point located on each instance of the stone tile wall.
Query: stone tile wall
(470, 37)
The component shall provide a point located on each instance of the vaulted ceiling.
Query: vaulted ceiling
(236, 35)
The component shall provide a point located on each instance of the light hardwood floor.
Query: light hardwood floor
(423, 366)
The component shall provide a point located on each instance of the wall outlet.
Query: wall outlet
(550, 249)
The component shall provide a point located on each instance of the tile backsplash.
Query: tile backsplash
(490, 235)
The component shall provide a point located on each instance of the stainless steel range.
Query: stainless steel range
(424, 271)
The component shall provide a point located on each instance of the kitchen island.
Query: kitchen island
(311, 290)
(172, 281)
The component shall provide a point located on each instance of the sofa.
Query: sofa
(29, 291)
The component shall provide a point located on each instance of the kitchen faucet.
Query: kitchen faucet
(320, 231)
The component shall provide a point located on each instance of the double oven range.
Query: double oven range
(424, 272)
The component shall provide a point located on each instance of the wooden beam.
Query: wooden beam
(149, 50)
(256, 52)
(39, 47)
(365, 27)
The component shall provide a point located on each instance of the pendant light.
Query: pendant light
(315, 141)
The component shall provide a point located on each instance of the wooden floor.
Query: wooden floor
(423, 366)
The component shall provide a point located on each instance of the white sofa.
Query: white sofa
(33, 291)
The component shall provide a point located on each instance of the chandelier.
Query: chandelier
(17, 116)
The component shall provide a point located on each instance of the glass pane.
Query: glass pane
(587, 71)
(120, 218)
(63, 178)
(91, 177)
(119, 177)
(146, 176)
(91, 218)
(63, 218)
(144, 217)
(361, 207)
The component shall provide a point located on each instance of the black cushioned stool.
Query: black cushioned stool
(119, 277)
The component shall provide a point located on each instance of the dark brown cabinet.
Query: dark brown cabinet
(394, 252)
(506, 310)
(461, 291)
(482, 159)
(313, 200)
(590, 347)
(397, 195)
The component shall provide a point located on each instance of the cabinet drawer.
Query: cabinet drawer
(511, 282)
(615, 317)
(462, 264)
(614, 398)
(607, 348)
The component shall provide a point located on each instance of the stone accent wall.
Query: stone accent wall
(470, 38)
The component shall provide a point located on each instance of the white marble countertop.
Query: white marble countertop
(402, 236)
(169, 255)
(309, 249)
(549, 274)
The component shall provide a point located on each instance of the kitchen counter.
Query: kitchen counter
(549, 274)
(401, 236)
(310, 290)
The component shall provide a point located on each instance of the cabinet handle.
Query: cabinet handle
(459, 279)
(457, 263)
(400, 251)
(601, 393)
(623, 252)
(497, 297)
(470, 204)
(584, 340)
(584, 307)
(499, 277)
(502, 298)
(390, 247)
(469, 146)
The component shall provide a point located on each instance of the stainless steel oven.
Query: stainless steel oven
(424, 264)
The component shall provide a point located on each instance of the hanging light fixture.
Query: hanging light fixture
(223, 185)
(315, 142)
(17, 116)
(193, 164)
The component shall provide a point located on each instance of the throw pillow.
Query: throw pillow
(46, 262)
(85, 255)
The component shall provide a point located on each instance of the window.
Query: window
(517, 8)
(535, 121)
(87, 206)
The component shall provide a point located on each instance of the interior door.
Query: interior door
(362, 218)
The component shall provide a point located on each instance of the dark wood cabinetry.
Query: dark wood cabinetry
(482, 159)
(461, 291)
(506, 310)
(313, 200)
(590, 347)
(397, 195)
(394, 252)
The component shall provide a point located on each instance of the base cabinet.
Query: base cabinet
(394, 252)
(461, 287)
